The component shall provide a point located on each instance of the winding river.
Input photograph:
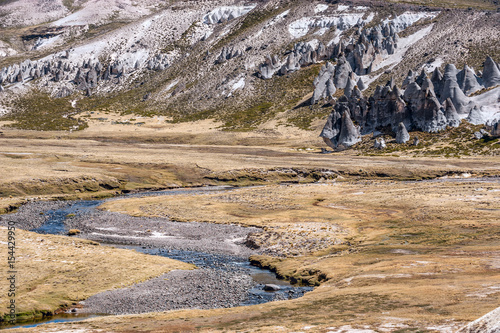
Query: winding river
(224, 277)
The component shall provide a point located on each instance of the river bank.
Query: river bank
(224, 278)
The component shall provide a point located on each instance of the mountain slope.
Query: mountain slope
(219, 59)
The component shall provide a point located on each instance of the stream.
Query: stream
(217, 250)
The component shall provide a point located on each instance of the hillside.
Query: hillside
(243, 64)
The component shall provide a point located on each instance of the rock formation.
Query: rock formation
(491, 73)
(426, 104)
(358, 57)
(379, 144)
(402, 135)
(349, 134)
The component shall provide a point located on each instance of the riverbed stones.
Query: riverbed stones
(271, 287)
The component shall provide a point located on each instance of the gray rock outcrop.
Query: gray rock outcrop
(489, 323)
(476, 116)
(452, 90)
(494, 128)
(402, 135)
(228, 53)
(418, 107)
(491, 73)
(270, 67)
(468, 81)
(451, 113)
(324, 86)
(379, 144)
(349, 134)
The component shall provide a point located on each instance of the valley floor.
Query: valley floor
(391, 242)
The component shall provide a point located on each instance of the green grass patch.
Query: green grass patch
(38, 111)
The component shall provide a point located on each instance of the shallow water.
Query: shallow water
(59, 318)
(228, 263)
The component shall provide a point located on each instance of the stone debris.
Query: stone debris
(379, 144)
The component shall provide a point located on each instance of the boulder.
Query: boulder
(92, 78)
(342, 73)
(420, 79)
(271, 287)
(349, 87)
(452, 90)
(269, 68)
(468, 81)
(450, 113)
(402, 135)
(331, 130)
(324, 86)
(489, 323)
(410, 78)
(361, 85)
(63, 92)
(379, 144)
(494, 128)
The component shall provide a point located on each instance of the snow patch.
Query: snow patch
(429, 68)
(44, 42)
(129, 59)
(350, 329)
(342, 8)
(156, 234)
(403, 45)
(276, 19)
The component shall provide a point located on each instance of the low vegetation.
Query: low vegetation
(37, 111)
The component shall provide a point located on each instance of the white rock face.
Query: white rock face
(320, 8)
(238, 85)
(301, 27)
(406, 19)
(489, 323)
(226, 13)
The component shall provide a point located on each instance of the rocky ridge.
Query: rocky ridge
(428, 104)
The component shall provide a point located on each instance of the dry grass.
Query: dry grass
(56, 271)
(411, 254)
(111, 156)
(380, 250)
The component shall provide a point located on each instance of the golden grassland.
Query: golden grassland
(384, 251)
(413, 254)
(55, 272)
(111, 156)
